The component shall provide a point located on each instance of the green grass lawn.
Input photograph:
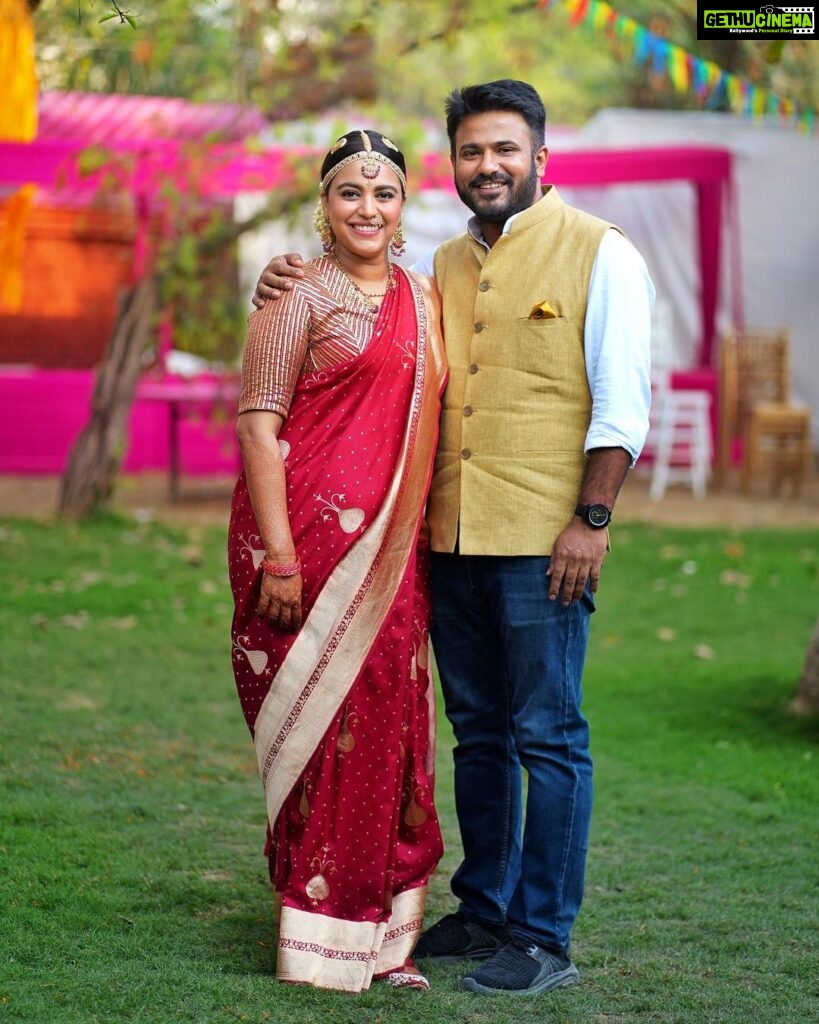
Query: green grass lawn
(132, 883)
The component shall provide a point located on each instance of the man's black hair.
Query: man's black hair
(505, 94)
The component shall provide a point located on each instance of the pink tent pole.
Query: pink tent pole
(709, 217)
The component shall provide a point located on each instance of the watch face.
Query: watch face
(598, 515)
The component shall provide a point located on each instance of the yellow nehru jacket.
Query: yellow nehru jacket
(510, 460)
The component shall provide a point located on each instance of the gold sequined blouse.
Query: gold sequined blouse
(320, 322)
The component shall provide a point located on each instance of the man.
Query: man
(547, 325)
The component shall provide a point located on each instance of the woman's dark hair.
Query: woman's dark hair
(505, 94)
(352, 144)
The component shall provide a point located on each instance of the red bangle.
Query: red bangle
(272, 569)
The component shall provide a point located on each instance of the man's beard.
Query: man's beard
(490, 210)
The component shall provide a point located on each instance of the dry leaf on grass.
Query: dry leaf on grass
(76, 621)
(128, 622)
(192, 554)
(734, 578)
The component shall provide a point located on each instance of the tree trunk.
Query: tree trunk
(98, 451)
(806, 699)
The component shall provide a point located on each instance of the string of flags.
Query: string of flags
(688, 74)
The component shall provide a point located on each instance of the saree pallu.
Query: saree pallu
(342, 713)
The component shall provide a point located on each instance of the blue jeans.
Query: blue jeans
(511, 663)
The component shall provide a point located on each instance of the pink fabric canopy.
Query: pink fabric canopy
(104, 119)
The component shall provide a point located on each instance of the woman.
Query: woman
(338, 419)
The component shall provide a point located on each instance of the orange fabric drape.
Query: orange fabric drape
(11, 248)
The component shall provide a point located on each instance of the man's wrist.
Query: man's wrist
(595, 514)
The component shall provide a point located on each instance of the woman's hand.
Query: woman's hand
(280, 602)
(278, 277)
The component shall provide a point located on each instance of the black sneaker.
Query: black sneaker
(521, 968)
(458, 937)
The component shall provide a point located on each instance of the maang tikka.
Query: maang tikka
(370, 167)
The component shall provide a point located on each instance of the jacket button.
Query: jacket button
(478, 327)
(465, 453)
(468, 410)
(483, 286)
(472, 368)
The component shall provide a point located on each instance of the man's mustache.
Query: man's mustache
(485, 179)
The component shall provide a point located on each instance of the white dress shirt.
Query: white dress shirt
(617, 340)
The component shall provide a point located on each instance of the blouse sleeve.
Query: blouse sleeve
(275, 351)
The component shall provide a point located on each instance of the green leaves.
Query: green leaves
(290, 59)
(123, 16)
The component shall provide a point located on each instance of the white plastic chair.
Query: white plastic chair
(680, 427)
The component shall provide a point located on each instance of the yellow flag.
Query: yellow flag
(18, 77)
(18, 123)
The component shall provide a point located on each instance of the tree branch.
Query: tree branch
(454, 26)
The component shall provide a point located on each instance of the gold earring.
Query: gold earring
(323, 229)
(398, 245)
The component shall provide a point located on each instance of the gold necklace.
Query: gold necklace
(367, 297)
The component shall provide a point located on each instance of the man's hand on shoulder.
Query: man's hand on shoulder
(278, 277)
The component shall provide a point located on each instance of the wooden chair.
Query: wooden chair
(756, 414)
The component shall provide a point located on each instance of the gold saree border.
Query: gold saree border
(333, 645)
(328, 952)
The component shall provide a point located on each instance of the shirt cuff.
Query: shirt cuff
(597, 438)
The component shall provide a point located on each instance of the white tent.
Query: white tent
(776, 235)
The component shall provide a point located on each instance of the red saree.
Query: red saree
(342, 712)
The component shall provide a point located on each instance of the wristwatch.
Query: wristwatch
(595, 516)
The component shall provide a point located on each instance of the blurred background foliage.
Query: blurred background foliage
(296, 57)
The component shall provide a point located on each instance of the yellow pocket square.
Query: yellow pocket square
(543, 311)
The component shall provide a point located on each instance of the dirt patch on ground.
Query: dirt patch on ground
(206, 501)
(722, 506)
(201, 501)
